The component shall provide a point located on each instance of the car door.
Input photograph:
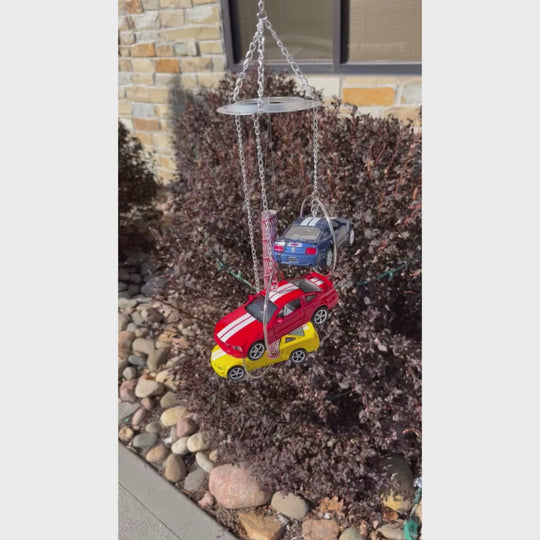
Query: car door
(311, 303)
(291, 316)
(340, 231)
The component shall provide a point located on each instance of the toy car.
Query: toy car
(290, 305)
(308, 241)
(294, 346)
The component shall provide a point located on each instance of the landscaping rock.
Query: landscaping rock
(132, 327)
(137, 319)
(144, 440)
(151, 314)
(154, 286)
(135, 278)
(148, 403)
(122, 286)
(125, 340)
(141, 345)
(122, 364)
(186, 427)
(153, 427)
(290, 505)
(126, 303)
(259, 527)
(170, 416)
(167, 379)
(129, 373)
(180, 446)
(399, 491)
(138, 361)
(392, 531)
(123, 321)
(123, 274)
(234, 487)
(203, 462)
(207, 501)
(158, 454)
(198, 442)
(147, 388)
(133, 289)
(125, 434)
(320, 529)
(352, 534)
(175, 468)
(213, 456)
(126, 410)
(195, 480)
(138, 417)
(167, 400)
(156, 358)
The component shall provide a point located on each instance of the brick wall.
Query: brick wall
(169, 46)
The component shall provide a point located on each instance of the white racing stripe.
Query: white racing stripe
(234, 323)
(305, 221)
(237, 328)
(282, 291)
(218, 354)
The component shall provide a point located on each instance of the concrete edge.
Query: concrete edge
(176, 511)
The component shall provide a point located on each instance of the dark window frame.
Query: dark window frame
(337, 66)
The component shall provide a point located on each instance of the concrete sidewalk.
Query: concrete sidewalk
(150, 508)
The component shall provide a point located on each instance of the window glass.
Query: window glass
(310, 297)
(289, 308)
(256, 308)
(298, 332)
(303, 233)
(304, 27)
(384, 31)
(305, 285)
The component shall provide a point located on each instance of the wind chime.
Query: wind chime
(238, 335)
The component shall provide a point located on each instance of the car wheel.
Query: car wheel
(329, 259)
(320, 316)
(351, 237)
(236, 373)
(256, 350)
(298, 356)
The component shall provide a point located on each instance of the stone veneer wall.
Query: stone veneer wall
(169, 46)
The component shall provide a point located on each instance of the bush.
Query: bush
(319, 429)
(137, 189)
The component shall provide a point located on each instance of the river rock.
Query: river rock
(213, 456)
(207, 501)
(166, 377)
(151, 314)
(122, 364)
(138, 361)
(186, 427)
(157, 358)
(127, 394)
(392, 531)
(123, 321)
(135, 278)
(141, 345)
(126, 303)
(137, 319)
(352, 534)
(259, 527)
(126, 410)
(129, 373)
(290, 505)
(399, 490)
(154, 427)
(144, 440)
(175, 468)
(195, 479)
(154, 286)
(125, 434)
(147, 388)
(167, 400)
(234, 487)
(320, 529)
(180, 446)
(138, 417)
(170, 416)
(158, 454)
(123, 274)
(198, 442)
(125, 340)
(148, 403)
(203, 462)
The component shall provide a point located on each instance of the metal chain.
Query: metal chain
(248, 204)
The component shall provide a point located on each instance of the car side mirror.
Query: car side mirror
(251, 296)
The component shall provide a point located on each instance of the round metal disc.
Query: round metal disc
(277, 104)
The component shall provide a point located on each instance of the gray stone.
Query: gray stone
(122, 286)
(156, 358)
(167, 400)
(137, 319)
(290, 505)
(175, 468)
(133, 289)
(141, 345)
(180, 446)
(150, 314)
(145, 440)
(136, 278)
(352, 534)
(146, 21)
(198, 442)
(154, 286)
(141, 110)
(195, 480)
(181, 49)
(147, 388)
(126, 410)
(122, 364)
(132, 327)
(123, 274)
(123, 295)
(129, 373)
(126, 303)
(203, 462)
(392, 531)
(141, 332)
(123, 321)
(154, 427)
(136, 360)
(399, 490)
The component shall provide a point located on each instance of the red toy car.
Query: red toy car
(293, 303)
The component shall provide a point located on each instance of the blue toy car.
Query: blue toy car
(308, 241)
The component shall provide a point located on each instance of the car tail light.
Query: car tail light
(279, 248)
(311, 251)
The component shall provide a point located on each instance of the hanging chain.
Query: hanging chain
(248, 204)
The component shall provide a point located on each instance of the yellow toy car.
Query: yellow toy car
(295, 345)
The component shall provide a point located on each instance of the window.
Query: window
(331, 36)
(293, 305)
(310, 297)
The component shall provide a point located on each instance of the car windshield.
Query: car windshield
(304, 285)
(309, 234)
(256, 308)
